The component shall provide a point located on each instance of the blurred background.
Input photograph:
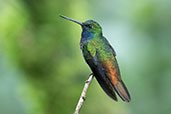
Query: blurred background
(42, 70)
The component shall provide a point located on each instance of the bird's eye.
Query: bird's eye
(89, 26)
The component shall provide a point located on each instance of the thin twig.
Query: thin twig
(83, 94)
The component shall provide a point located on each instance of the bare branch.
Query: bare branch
(83, 94)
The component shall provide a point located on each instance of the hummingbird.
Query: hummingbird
(101, 58)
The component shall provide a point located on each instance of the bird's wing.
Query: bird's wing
(96, 68)
(111, 70)
(106, 70)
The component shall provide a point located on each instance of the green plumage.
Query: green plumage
(101, 58)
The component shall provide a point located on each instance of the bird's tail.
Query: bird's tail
(122, 91)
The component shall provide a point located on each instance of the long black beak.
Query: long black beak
(71, 20)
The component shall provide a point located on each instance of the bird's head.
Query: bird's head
(89, 27)
(92, 27)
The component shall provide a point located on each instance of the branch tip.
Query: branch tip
(83, 94)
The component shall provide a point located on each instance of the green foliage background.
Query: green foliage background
(42, 70)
